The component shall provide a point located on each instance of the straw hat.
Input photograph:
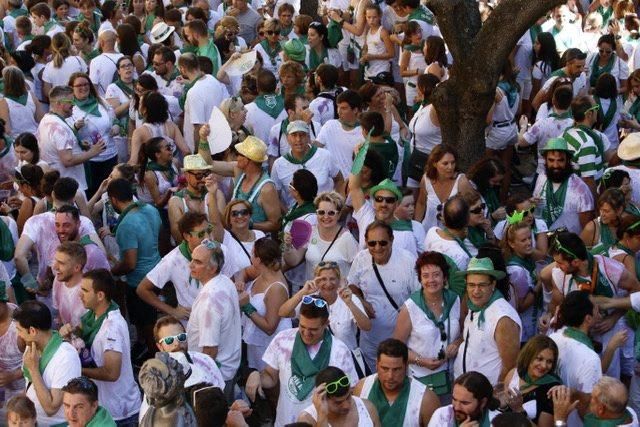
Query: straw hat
(629, 148)
(160, 32)
(195, 162)
(253, 149)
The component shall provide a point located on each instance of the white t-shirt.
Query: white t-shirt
(121, 397)
(261, 122)
(215, 322)
(402, 239)
(451, 248)
(97, 127)
(62, 368)
(102, 70)
(579, 366)
(206, 93)
(340, 143)
(242, 259)
(445, 416)
(60, 76)
(278, 356)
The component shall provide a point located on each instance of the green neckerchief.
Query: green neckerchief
(491, 199)
(351, 126)
(124, 213)
(534, 31)
(172, 77)
(421, 13)
(448, 297)
(528, 264)
(566, 115)
(184, 250)
(97, 19)
(148, 22)
(606, 15)
(590, 420)
(271, 104)
(632, 163)
(546, 379)
(22, 99)
(597, 139)
(185, 90)
(476, 236)
(496, 295)
(634, 110)
(559, 72)
(555, 201)
(89, 105)
(510, 91)
(6, 240)
(309, 154)
(271, 52)
(285, 31)
(597, 71)
(602, 287)
(283, 126)
(86, 241)
(49, 25)
(193, 196)
(458, 240)
(168, 169)
(47, 354)
(89, 56)
(607, 238)
(18, 12)
(390, 414)
(401, 225)
(102, 418)
(210, 50)
(90, 324)
(578, 335)
(297, 211)
(610, 114)
(303, 369)
(414, 47)
(315, 60)
(388, 150)
(125, 88)
(484, 422)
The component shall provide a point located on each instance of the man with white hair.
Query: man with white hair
(608, 404)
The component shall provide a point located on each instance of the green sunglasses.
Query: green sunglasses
(333, 387)
(200, 234)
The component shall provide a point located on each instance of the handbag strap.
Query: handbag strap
(332, 242)
(384, 288)
(241, 245)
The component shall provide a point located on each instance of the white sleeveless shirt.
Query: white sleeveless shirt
(364, 419)
(22, 117)
(416, 393)
(431, 212)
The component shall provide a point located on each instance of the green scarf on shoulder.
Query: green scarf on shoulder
(401, 225)
(421, 13)
(316, 60)
(608, 116)
(90, 324)
(168, 169)
(89, 105)
(47, 354)
(602, 287)
(555, 201)
(304, 369)
(271, 52)
(210, 50)
(297, 211)
(125, 87)
(476, 236)
(22, 99)
(102, 418)
(312, 150)
(597, 71)
(390, 414)
(271, 104)
(495, 296)
(449, 299)
(578, 335)
(544, 380)
(185, 91)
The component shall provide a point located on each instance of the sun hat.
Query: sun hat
(194, 374)
(629, 148)
(253, 149)
(556, 144)
(297, 126)
(195, 162)
(295, 50)
(481, 266)
(160, 32)
(388, 185)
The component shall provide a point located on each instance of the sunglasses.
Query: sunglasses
(65, 101)
(333, 387)
(529, 211)
(322, 212)
(261, 33)
(199, 175)
(603, 51)
(373, 243)
(443, 333)
(318, 302)
(388, 200)
(479, 209)
(327, 264)
(270, 32)
(239, 213)
(170, 339)
(200, 234)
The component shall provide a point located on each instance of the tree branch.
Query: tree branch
(459, 22)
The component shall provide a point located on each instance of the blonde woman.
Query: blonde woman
(62, 64)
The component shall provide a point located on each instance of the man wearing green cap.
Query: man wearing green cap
(559, 181)
(384, 199)
(492, 328)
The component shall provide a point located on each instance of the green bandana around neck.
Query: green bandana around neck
(297, 211)
(526, 263)
(184, 250)
(285, 31)
(210, 50)
(316, 60)
(597, 71)
(193, 196)
(47, 354)
(271, 52)
(559, 72)
(102, 418)
(22, 99)
(308, 155)
(533, 33)
(578, 335)
(510, 91)
(458, 240)
(90, 324)
(555, 201)
(561, 116)
(126, 210)
(89, 105)
(606, 15)
(608, 116)
(185, 91)
(125, 87)
(271, 104)
(18, 12)
(590, 420)
(449, 299)
(304, 369)
(602, 287)
(421, 13)
(168, 169)
(414, 47)
(349, 126)
(49, 25)
(496, 295)
(401, 225)
(390, 414)
(546, 379)
(477, 236)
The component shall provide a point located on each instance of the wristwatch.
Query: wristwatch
(560, 423)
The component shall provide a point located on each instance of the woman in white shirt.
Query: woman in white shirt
(119, 95)
(19, 108)
(62, 65)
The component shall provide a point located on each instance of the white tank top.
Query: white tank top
(158, 129)
(375, 46)
(163, 186)
(426, 135)
(416, 393)
(22, 116)
(364, 419)
(252, 334)
(431, 212)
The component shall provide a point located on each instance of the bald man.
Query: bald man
(104, 66)
(608, 404)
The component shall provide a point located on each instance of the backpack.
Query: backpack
(333, 99)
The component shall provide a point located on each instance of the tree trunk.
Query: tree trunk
(479, 51)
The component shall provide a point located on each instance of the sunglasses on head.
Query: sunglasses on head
(318, 302)
(239, 213)
(557, 246)
(373, 243)
(595, 107)
(200, 234)
(322, 212)
(333, 387)
(479, 209)
(170, 339)
(388, 200)
(327, 264)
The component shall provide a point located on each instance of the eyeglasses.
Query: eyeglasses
(388, 200)
(327, 264)
(595, 107)
(170, 339)
(322, 212)
(318, 302)
(199, 175)
(557, 247)
(479, 209)
(239, 213)
(373, 243)
(81, 85)
(603, 51)
(200, 234)
(127, 65)
(333, 387)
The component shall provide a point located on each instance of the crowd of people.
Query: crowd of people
(191, 236)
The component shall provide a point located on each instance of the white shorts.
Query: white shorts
(525, 88)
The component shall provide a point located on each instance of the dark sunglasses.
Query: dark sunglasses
(327, 264)
(373, 243)
(270, 32)
(388, 200)
(322, 212)
(479, 209)
(239, 213)
(170, 339)
(529, 211)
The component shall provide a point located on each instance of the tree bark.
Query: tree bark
(479, 51)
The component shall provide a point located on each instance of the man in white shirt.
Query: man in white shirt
(214, 326)
(59, 145)
(268, 107)
(103, 68)
(166, 73)
(201, 93)
(106, 335)
(324, 106)
(49, 363)
(573, 70)
(68, 262)
(608, 405)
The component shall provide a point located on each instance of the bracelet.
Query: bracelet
(248, 309)
(203, 145)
